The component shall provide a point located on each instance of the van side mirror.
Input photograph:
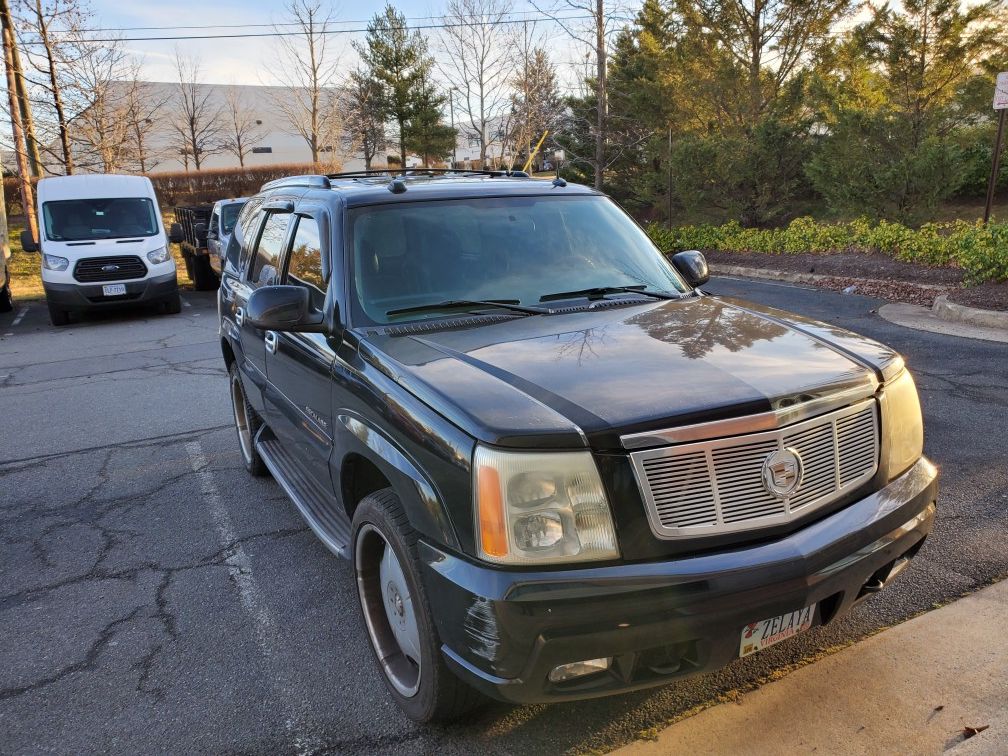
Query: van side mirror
(283, 308)
(175, 235)
(200, 229)
(28, 244)
(693, 267)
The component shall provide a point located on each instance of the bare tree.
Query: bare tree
(593, 34)
(144, 106)
(362, 111)
(198, 124)
(242, 128)
(535, 98)
(477, 62)
(99, 86)
(308, 71)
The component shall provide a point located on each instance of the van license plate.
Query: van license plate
(760, 635)
(113, 290)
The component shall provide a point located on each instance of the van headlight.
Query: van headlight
(540, 508)
(158, 255)
(54, 262)
(902, 426)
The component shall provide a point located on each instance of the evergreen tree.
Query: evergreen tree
(425, 132)
(399, 61)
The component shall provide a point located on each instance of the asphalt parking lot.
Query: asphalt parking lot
(155, 598)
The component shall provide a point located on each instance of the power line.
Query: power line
(501, 22)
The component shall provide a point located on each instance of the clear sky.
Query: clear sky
(247, 61)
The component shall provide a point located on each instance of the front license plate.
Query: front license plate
(113, 290)
(760, 635)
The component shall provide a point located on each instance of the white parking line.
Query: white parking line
(185, 302)
(20, 315)
(240, 569)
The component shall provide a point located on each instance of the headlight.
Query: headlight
(902, 427)
(159, 255)
(54, 262)
(540, 508)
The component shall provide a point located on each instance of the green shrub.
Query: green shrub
(981, 252)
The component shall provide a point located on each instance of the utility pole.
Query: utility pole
(20, 149)
(670, 177)
(451, 109)
(24, 104)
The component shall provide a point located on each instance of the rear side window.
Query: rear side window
(305, 265)
(264, 265)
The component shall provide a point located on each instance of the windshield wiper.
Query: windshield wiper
(450, 304)
(600, 291)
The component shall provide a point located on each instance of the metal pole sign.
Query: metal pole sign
(1001, 106)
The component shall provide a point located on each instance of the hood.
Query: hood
(585, 378)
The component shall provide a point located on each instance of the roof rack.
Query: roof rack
(310, 181)
(427, 172)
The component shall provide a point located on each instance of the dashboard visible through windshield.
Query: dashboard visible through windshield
(95, 219)
(512, 249)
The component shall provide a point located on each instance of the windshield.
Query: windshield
(229, 216)
(90, 219)
(515, 248)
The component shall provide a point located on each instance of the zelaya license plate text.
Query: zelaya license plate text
(759, 635)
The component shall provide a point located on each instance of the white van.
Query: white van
(103, 244)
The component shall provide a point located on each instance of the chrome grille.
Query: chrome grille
(715, 487)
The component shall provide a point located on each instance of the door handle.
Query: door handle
(240, 316)
(271, 342)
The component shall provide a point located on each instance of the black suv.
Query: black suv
(560, 469)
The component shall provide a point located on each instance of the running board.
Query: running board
(319, 508)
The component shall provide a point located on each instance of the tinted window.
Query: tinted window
(212, 228)
(88, 219)
(229, 216)
(305, 265)
(264, 266)
(518, 248)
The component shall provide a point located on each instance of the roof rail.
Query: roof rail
(311, 181)
(426, 172)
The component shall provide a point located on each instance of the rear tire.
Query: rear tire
(6, 299)
(397, 614)
(203, 276)
(247, 424)
(57, 316)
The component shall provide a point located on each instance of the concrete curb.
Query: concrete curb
(804, 278)
(958, 313)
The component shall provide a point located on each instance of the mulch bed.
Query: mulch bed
(876, 276)
(988, 296)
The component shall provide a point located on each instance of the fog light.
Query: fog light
(579, 669)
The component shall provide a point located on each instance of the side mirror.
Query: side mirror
(283, 308)
(200, 229)
(693, 267)
(175, 235)
(28, 244)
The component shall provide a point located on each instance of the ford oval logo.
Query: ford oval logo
(782, 472)
(110, 268)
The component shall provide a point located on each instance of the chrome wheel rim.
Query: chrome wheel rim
(389, 611)
(241, 418)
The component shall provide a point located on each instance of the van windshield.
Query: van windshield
(92, 219)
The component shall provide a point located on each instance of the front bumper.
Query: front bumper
(504, 631)
(89, 296)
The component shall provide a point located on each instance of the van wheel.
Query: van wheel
(397, 614)
(203, 276)
(6, 300)
(57, 316)
(172, 305)
(247, 423)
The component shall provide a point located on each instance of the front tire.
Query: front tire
(247, 424)
(57, 316)
(172, 305)
(397, 614)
